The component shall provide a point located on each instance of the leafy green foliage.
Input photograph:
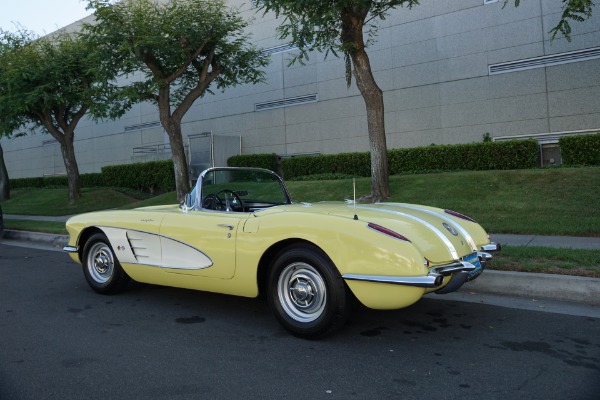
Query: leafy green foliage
(50, 83)
(319, 25)
(146, 177)
(181, 45)
(474, 156)
(574, 10)
(172, 53)
(353, 164)
(150, 177)
(580, 149)
(516, 154)
(267, 161)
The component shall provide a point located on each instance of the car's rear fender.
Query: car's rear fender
(351, 245)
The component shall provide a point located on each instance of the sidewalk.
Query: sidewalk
(588, 243)
(505, 283)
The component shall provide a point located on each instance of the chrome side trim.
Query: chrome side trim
(71, 249)
(425, 281)
(436, 231)
(444, 218)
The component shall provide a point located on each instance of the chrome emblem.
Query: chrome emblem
(450, 229)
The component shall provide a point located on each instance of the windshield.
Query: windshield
(238, 189)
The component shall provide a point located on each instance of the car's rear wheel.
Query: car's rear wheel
(101, 268)
(307, 293)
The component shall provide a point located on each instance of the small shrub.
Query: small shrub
(267, 161)
(580, 149)
(152, 177)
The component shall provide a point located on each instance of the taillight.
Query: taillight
(459, 215)
(387, 231)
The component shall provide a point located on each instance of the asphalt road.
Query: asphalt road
(60, 340)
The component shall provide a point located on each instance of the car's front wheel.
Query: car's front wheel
(307, 293)
(101, 268)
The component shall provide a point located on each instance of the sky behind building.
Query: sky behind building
(41, 16)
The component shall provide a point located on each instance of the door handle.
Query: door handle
(230, 227)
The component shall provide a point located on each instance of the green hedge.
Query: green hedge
(146, 177)
(355, 164)
(87, 180)
(518, 154)
(268, 161)
(580, 149)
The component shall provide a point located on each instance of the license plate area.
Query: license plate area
(474, 260)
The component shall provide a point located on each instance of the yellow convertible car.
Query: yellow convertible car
(238, 232)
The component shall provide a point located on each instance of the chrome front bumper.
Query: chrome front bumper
(71, 249)
(461, 272)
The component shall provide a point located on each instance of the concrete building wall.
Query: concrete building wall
(432, 62)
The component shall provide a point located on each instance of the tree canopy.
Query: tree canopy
(49, 84)
(171, 54)
(572, 10)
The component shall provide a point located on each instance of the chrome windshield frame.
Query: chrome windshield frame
(199, 183)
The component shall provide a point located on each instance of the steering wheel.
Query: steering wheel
(214, 202)
(227, 204)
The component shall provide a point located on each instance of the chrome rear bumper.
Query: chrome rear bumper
(432, 280)
(461, 272)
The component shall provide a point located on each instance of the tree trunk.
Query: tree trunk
(353, 40)
(64, 134)
(182, 176)
(4, 181)
(172, 124)
(74, 181)
(373, 97)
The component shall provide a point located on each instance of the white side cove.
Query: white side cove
(436, 231)
(444, 218)
(179, 255)
(137, 247)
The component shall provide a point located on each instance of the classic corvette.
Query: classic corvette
(238, 232)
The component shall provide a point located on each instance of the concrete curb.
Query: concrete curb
(49, 239)
(524, 284)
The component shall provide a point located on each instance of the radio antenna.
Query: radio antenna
(354, 202)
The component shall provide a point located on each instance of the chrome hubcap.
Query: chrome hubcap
(302, 292)
(100, 262)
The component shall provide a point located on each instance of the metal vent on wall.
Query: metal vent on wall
(291, 101)
(146, 125)
(279, 49)
(545, 61)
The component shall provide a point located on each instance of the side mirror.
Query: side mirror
(187, 204)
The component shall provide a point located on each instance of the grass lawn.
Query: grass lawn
(548, 260)
(562, 201)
